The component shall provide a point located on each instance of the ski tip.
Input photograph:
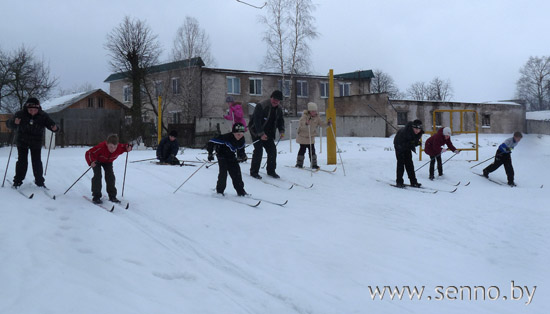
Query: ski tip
(112, 209)
(467, 183)
(127, 206)
(454, 190)
(542, 186)
(290, 188)
(310, 186)
(255, 205)
(282, 204)
(31, 196)
(53, 197)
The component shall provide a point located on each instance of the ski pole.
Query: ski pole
(48, 159)
(387, 122)
(275, 151)
(143, 160)
(310, 154)
(9, 156)
(449, 158)
(124, 179)
(430, 161)
(335, 142)
(482, 162)
(79, 179)
(256, 141)
(190, 176)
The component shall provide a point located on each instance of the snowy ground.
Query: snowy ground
(189, 252)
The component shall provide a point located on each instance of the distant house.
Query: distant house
(86, 118)
(538, 122)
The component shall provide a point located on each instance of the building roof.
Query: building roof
(366, 74)
(543, 115)
(160, 68)
(60, 103)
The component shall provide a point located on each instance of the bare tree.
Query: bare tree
(534, 83)
(85, 87)
(384, 83)
(418, 91)
(23, 76)
(133, 49)
(440, 90)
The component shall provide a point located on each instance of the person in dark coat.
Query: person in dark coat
(102, 156)
(29, 124)
(405, 142)
(229, 149)
(503, 156)
(266, 119)
(434, 149)
(168, 149)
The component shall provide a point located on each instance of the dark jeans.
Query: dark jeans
(271, 151)
(22, 162)
(405, 162)
(439, 165)
(303, 148)
(234, 170)
(502, 159)
(109, 179)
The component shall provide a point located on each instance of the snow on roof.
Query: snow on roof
(538, 115)
(502, 103)
(60, 103)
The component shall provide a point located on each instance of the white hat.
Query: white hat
(447, 131)
(312, 106)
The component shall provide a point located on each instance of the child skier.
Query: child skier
(405, 142)
(434, 150)
(235, 112)
(307, 131)
(229, 151)
(103, 155)
(168, 149)
(503, 156)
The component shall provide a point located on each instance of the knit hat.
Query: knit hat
(312, 106)
(173, 133)
(238, 128)
(32, 103)
(417, 124)
(277, 94)
(229, 99)
(447, 131)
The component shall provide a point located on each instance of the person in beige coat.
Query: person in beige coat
(307, 131)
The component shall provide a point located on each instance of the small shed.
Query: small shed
(86, 118)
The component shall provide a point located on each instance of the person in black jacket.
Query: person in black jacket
(29, 124)
(405, 142)
(266, 119)
(229, 151)
(168, 149)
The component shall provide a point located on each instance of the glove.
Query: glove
(210, 157)
(242, 158)
(281, 135)
(457, 151)
(443, 150)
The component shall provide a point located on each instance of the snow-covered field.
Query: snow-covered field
(190, 252)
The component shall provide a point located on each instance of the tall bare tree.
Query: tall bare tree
(133, 49)
(418, 91)
(85, 87)
(439, 89)
(534, 83)
(384, 83)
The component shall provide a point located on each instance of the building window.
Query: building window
(99, 102)
(286, 89)
(485, 120)
(345, 89)
(438, 119)
(90, 102)
(233, 85)
(255, 86)
(323, 88)
(126, 93)
(176, 117)
(301, 89)
(402, 118)
(176, 88)
(158, 88)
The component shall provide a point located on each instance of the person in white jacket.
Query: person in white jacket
(307, 131)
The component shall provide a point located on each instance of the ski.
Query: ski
(410, 188)
(267, 201)
(439, 190)
(492, 180)
(273, 184)
(305, 169)
(46, 192)
(328, 171)
(111, 209)
(18, 189)
(123, 203)
(292, 184)
(228, 198)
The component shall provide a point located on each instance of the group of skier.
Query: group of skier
(30, 122)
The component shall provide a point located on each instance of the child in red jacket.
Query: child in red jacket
(103, 155)
(434, 150)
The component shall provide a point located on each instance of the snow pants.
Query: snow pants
(271, 151)
(109, 179)
(502, 159)
(232, 167)
(405, 162)
(22, 163)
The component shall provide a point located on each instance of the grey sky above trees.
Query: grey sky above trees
(480, 46)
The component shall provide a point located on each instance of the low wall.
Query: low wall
(538, 127)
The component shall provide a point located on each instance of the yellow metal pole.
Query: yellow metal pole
(331, 114)
(159, 131)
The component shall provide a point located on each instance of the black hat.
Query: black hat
(32, 103)
(237, 128)
(277, 95)
(173, 133)
(417, 124)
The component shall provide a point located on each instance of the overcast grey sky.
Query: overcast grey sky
(479, 45)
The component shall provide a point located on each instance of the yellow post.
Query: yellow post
(159, 134)
(331, 114)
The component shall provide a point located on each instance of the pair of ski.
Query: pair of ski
(271, 181)
(109, 208)
(314, 170)
(242, 200)
(21, 191)
(421, 189)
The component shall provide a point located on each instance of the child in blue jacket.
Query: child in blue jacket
(503, 156)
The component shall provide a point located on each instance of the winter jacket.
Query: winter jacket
(266, 119)
(167, 147)
(507, 146)
(434, 143)
(31, 128)
(227, 147)
(405, 139)
(303, 136)
(100, 153)
(236, 115)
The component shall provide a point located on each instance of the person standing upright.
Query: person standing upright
(29, 124)
(405, 142)
(266, 119)
(235, 112)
